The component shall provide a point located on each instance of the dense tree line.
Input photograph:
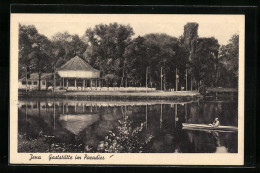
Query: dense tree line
(126, 61)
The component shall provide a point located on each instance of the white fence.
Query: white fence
(109, 89)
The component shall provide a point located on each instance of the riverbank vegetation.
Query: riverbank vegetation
(126, 138)
(125, 59)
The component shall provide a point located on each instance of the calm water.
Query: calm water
(117, 126)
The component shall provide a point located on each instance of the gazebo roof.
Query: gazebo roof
(77, 64)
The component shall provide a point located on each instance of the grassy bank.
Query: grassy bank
(114, 95)
(224, 90)
(223, 93)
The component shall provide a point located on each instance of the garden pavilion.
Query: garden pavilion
(78, 74)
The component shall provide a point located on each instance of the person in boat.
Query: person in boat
(216, 123)
(179, 121)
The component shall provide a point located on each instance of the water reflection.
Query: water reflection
(88, 124)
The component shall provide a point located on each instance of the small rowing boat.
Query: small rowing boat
(208, 127)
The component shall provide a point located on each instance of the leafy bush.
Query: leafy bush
(125, 139)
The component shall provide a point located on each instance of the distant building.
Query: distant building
(78, 73)
(33, 81)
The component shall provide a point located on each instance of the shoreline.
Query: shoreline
(113, 95)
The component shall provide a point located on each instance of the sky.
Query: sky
(222, 27)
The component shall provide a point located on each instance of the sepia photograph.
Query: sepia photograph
(158, 89)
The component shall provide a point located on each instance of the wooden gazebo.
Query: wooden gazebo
(78, 73)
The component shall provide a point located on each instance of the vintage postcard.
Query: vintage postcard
(127, 89)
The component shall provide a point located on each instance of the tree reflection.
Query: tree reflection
(123, 127)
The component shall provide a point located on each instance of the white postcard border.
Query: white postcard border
(119, 158)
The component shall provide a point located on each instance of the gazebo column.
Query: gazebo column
(99, 83)
(63, 83)
(63, 107)
(91, 83)
(75, 82)
(96, 83)
(84, 83)
(67, 83)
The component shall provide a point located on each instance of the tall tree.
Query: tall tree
(153, 51)
(137, 61)
(228, 56)
(26, 39)
(66, 46)
(204, 65)
(33, 50)
(107, 45)
(190, 36)
(164, 52)
(189, 41)
(40, 55)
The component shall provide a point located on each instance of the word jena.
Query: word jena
(34, 157)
